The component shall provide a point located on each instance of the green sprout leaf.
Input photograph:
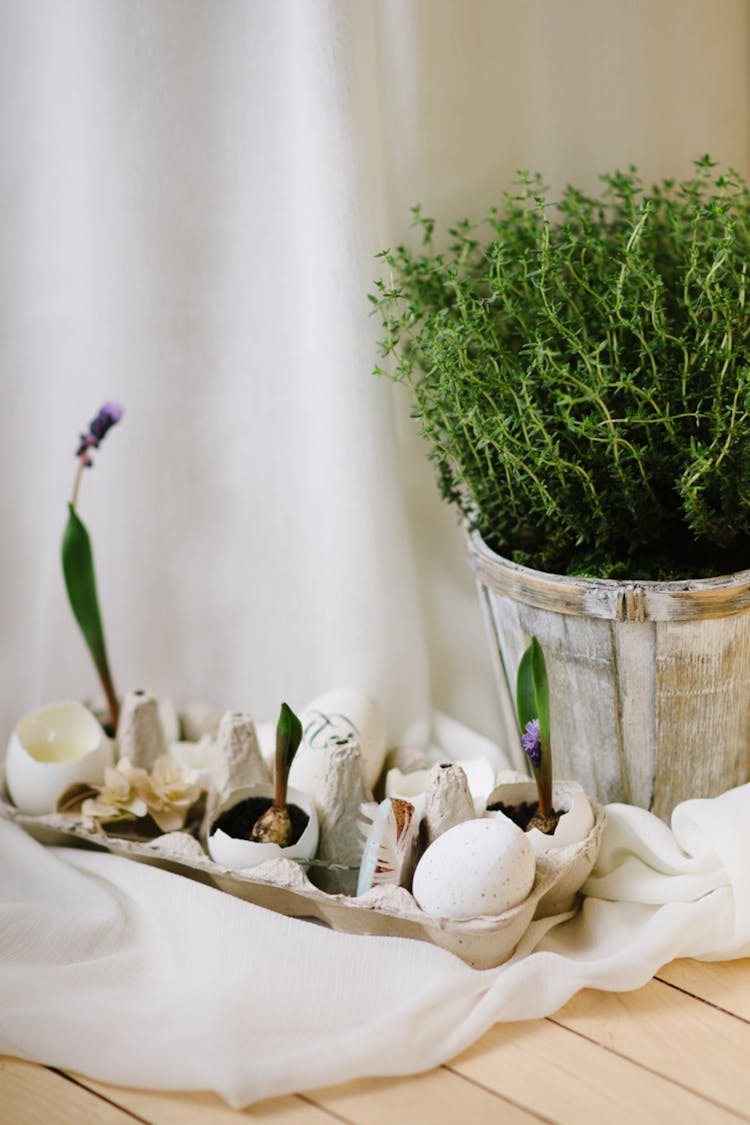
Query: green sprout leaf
(541, 689)
(533, 706)
(288, 738)
(80, 582)
(525, 695)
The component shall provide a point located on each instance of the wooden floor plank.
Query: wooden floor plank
(33, 1095)
(567, 1079)
(204, 1108)
(676, 1049)
(439, 1097)
(723, 983)
(676, 1035)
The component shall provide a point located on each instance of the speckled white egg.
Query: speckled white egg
(478, 867)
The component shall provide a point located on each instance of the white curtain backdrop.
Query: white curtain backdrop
(192, 194)
(190, 203)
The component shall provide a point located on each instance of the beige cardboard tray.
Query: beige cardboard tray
(283, 886)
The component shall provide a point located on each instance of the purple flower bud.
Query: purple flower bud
(532, 743)
(108, 415)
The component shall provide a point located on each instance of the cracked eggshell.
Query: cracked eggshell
(51, 748)
(480, 867)
(343, 715)
(199, 756)
(411, 786)
(568, 797)
(239, 854)
(197, 720)
(408, 787)
(266, 733)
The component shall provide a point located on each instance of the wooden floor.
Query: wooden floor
(677, 1050)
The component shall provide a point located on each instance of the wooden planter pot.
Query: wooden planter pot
(650, 681)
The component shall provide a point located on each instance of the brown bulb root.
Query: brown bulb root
(545, 822)
(273, 827)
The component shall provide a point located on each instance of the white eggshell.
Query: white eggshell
(50, 749)
(408, 787)
(240, 854)
(199, 719)
(411, 786)
(266, 735)
(199, 756)
(572, 828)
(341, 714)
(568, 797)
(477, 868)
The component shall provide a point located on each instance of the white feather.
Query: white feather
(385, 850)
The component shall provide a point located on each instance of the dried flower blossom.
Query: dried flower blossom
(532, 742)
(120, 797)
(129, 792)
(99, 427)
(169, 791)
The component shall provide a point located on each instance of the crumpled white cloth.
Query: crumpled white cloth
(139, 977)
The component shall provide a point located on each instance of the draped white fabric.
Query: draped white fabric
(133, 975)
(192, 194)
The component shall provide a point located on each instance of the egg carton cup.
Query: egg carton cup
(283, 886)
(575, 839)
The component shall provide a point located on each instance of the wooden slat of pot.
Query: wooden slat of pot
(647, 686)
(634, 655)
(642, 691)
(614, 601)
(702, 669)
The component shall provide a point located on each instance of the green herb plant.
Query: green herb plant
(581, 370)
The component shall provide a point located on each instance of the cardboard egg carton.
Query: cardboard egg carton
(284, 886)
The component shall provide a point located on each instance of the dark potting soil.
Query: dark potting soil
(238, 821)
(520, 814)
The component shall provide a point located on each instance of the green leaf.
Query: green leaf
(288, 733)
(541, 689)
(288, 738)
(525, 696)
(80, 582)
(532, 702)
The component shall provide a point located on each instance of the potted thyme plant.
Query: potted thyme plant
(581, 370)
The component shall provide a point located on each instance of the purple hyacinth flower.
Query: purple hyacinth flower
(108, 415)
(99, 427)
(532, 743)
